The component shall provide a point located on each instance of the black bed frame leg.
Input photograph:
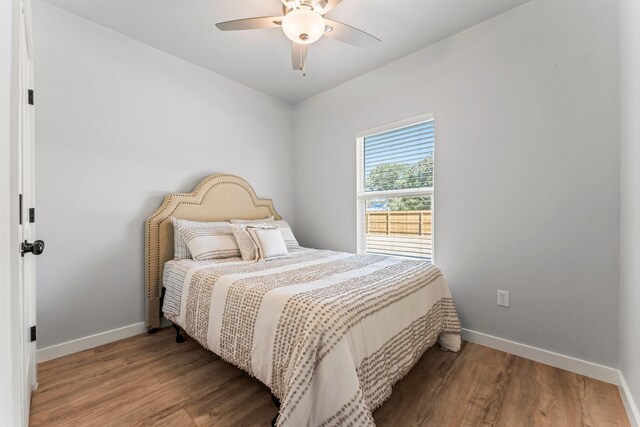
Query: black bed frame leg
(179, 336)
(276, 402)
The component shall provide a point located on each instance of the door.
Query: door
(27, 226)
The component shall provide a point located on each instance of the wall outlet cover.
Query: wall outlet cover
(503, 298)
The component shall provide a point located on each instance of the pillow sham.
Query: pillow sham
(268, 241)
(252, 221)
(244, 241)
(210, 242)
(180, 249)
(287, 234)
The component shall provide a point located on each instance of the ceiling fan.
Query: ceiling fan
(304, 23)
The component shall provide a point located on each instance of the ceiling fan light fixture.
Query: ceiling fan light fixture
(303, 26)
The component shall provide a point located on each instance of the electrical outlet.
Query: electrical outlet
(503, 298)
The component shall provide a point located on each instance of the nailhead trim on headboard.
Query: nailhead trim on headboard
(154, 239)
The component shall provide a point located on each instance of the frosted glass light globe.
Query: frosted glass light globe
(303, 26)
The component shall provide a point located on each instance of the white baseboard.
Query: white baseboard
(568, 363)
(91, 341)
(629, 402)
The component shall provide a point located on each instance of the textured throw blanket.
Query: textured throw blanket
(328, 332)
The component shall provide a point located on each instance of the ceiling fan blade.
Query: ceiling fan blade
(324, 6)
(298, 55)
(251, 23)
(348, 34)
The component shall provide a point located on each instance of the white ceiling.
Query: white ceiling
(262, 58)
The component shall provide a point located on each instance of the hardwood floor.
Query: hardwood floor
(151, 380)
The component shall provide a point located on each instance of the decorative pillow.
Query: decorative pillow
(287, 234)
(180, 249)
(268, 241)
(244, 241)
(285, 229)
(252, 221)
(210, 242)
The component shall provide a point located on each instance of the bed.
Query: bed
(328, 332)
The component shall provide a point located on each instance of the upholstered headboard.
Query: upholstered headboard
(219, 197)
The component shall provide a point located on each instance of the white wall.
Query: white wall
(527, 169)
(630, 195)
(120, 125)
(526, 109)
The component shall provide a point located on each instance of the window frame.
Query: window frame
(362, 195)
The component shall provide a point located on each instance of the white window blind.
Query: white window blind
(395, 189)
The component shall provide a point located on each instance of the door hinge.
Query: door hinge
(32, 215)
(20, 209)
(33, 333)
(30, 96)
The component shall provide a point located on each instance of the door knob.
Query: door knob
(35, 248)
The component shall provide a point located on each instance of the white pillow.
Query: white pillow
(287, 234)
(268, 241)
(252, 221)
(285, 229)
(180, 249)
(210, 242)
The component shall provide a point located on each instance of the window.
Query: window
(395, 189)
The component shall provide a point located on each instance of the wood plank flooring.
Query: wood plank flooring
(151, 380)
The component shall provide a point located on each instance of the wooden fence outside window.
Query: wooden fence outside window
(416, 223)
(406, 233)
